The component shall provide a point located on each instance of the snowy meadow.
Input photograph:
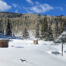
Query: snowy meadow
(21, 52)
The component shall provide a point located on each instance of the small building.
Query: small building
(3, 43)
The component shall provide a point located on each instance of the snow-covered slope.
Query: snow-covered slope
(34, 55)
(23, 52)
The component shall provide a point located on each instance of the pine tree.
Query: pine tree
(8, 30)
(50, 34)
(58, 29)
(37, 31)
(44, 28)
(25, 33)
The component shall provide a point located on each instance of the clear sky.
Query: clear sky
(47, 7)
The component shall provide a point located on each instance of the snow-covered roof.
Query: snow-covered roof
(5, 37)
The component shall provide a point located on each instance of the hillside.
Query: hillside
(32, 25)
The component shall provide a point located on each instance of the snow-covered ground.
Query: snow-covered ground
(48, 46)
(23, 52)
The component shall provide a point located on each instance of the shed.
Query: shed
(3, 43)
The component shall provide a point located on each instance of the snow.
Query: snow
(63, 35)
(22, 52)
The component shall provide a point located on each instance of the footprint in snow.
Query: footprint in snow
(22, 60)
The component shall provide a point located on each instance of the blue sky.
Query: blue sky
(47, 7)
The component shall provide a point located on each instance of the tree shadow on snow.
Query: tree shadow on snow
(55, 52)
(65, 51)
(19, 47)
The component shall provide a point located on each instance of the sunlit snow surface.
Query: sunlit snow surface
(24, 53)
